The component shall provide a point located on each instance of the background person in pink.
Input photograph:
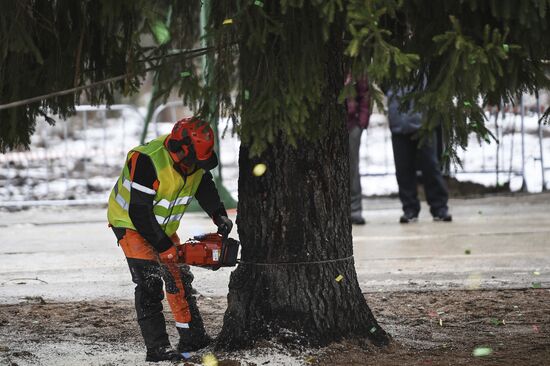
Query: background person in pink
(358, 115)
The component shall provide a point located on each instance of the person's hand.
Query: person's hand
(224, 225)
(169, 256)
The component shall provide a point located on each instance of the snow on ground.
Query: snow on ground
(377, 168)
(86, 164)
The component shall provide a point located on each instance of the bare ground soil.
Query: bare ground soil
(428, 328)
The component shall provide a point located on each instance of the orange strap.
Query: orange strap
(133, 160)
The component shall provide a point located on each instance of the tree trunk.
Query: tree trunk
(296, 282)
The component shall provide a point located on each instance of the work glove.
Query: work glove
(224, 225)
(169, 256)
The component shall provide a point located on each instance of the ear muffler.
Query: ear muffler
(191, 155)
(184, 145)
(175, 145)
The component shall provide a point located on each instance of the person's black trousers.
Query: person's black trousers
(148, 277)
(409, 157)
(355, 178)
(148, 301)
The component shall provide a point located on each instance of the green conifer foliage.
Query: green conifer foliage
(50, 46)
(451, 53)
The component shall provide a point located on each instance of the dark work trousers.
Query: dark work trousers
(355, 178)
(148, 277)
(409, 158)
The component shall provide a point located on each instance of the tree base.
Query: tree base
(265, 302)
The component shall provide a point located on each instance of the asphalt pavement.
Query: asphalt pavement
(493, 242)
(69, 253)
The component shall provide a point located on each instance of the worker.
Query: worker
(157, 183)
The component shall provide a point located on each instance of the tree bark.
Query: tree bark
(296, 282)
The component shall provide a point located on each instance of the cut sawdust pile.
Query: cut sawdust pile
(515, 324)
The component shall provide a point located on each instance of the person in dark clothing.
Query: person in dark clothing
(358, 115)
(409, 157)
(157, 183)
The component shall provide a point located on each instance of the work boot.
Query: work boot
(408, 217)
(443, 215)
(357, 220)
(192, 340)
(162, 353)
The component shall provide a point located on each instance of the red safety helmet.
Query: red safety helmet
(195, 139)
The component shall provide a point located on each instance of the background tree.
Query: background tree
(279, 73)
(50, 46)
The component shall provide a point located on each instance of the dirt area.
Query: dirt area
(459, 189)
(428, 328)
(464, 189)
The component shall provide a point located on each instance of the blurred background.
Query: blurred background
(78, 160)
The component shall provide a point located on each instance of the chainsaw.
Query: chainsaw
(210, 251)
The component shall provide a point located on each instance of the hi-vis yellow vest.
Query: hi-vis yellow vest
(172, 197)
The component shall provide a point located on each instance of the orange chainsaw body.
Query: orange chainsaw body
(210, 251)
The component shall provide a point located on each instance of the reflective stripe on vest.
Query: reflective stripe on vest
(179, 201)
(171, 199)
(118, 197)
(186, 200)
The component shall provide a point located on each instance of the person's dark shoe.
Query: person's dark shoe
(191, 341)
(357, 220)
(162, 353)
(443, 216)
(408, 217)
